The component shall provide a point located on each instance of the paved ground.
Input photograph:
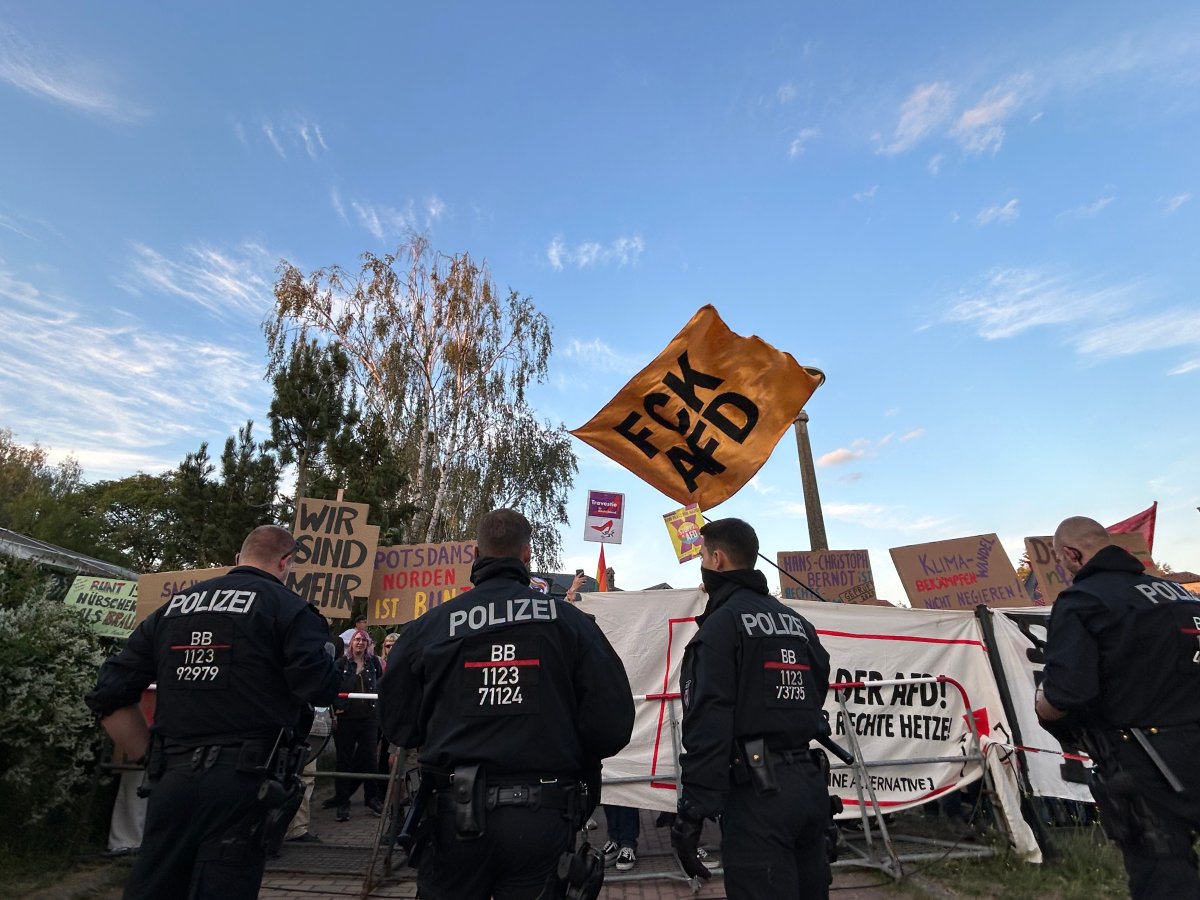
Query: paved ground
(342, 856)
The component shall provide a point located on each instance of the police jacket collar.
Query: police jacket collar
(253, 570)
(1111, 559)
(486, 568)
(722, 585)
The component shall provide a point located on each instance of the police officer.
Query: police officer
(1123, 671)
(753, 680)
(237, 659)
(512, 696)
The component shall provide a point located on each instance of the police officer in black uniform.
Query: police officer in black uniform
(754, 679)
(1123, 674)
(237, 659)
(513, 697)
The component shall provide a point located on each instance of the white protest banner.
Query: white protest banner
(1017, 632)
(649, 630)
(843, 576)
(108, 606)
(605, 519)
(411, 579)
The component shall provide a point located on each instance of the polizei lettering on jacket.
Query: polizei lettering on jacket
(503, 612)
(230, 601)
(760, 624)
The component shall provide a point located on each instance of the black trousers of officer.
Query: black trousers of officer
(1172, 877)
(773, 848)
(198, 841)
(516, 858)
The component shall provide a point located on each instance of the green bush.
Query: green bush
(48, 738)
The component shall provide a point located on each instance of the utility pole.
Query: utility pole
(808, 477)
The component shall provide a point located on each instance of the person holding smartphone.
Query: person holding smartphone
(576, 584)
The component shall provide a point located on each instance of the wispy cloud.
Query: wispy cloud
(934, 166)
(132, 392)
(839, 457)
(787, 92)
(621, 251)
(1006, 212)
(866, 194)
(980, 128)
(45, 75)
(1010, 301)
(295, 132)
(922, 112)
(597, 354)
(230, 284)
(1104, 321)
(1171, 204)
(976, 115)
(757, 485)
(884, 518)
(801, 141)
(388, 223)
(1089, 210)
(911, 435)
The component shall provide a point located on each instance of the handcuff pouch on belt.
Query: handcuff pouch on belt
(468, 787)
(755, 766)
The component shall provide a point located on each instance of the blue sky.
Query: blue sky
(981, 222)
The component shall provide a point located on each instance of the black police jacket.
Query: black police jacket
(509, 678)
(237, 657)
(755, 669)
(1123, 648)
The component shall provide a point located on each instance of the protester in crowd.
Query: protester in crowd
(624, 828)
(356, 733)
(1122, 678)
(753, 681)
(226, 708)
(576, 583)
(515, 698)
(360, 624)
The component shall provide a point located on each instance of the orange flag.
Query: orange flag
(601, 573)
(704, 416)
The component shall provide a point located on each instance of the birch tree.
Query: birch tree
(444, 361)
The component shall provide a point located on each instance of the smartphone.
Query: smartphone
(579, 571)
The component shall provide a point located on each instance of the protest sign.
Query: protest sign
(684, 527)
(411, 579)
(109, 607)
(960, 573)
(605, 517)
(843, 576)
(156, 588)
(704, 416)
(335, 556)
(1053, 579)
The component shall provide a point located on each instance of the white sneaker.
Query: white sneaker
(610, 852)
(626, 859)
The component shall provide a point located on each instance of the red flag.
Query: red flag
(1142, 522)
(602, 573)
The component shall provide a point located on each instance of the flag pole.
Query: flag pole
(808, 479)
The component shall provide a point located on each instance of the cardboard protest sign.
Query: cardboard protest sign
(960, 573)
(411, 579)
(1053, 579)
(605, 518)
(843, 576)
(335, 559)
(109, 607)
(684, 527)
(157, 588)
(704, 416)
